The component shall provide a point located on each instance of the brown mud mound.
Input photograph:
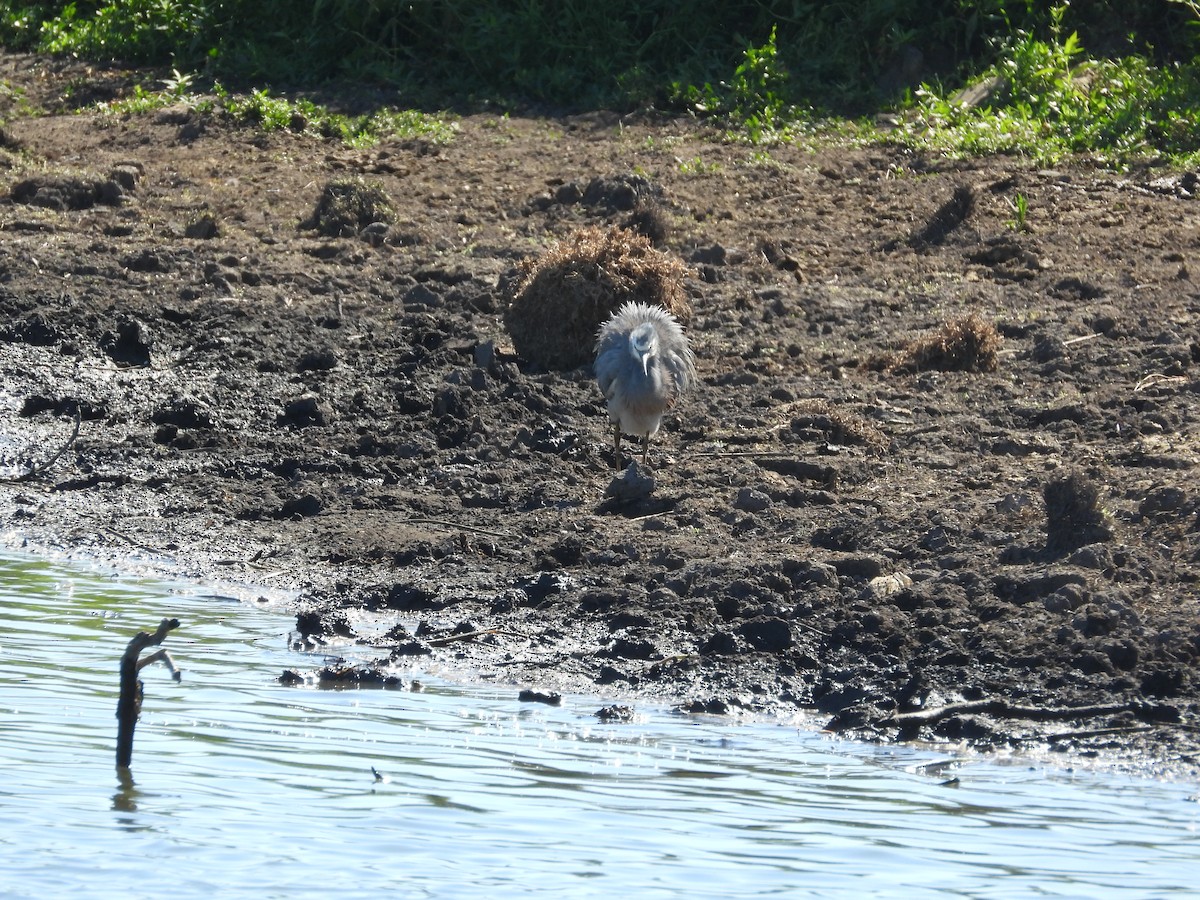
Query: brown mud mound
(564, 295)
(1002, 556)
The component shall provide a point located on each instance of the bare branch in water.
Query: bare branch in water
(129, 704)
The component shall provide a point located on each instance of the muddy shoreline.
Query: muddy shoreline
(346, 418)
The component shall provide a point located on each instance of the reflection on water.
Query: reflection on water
(241, 785)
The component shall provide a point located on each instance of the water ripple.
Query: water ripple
(245, 786)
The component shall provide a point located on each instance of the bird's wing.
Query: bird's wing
(611, 350)
(682, 367)
(608, 364)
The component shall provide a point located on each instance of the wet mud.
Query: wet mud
(937, 480)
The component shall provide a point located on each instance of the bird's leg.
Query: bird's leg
(617, 445)
(645, 449)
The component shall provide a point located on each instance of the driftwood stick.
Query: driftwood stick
(36, 470)
(470, 636)
(442, 523)
(998, 707)
(129, 703)
(165, 658)
(464, 636)
(1086, 733)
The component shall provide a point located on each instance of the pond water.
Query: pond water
(243, 786)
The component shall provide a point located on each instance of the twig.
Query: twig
(37, 470)
(470, 636)
(721, 454)
(444, 524)
(998, 707)
(110, 530)
(263, 571)
(812, 628)
(1079, 340)
(1097, 732)
(780, 198)
(164, 657)
(652, 515)
(1156, 379)
(129, 704)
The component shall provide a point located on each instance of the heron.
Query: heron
(643, 365)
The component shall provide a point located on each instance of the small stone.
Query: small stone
(822, 575)
(485, 354)
(887, 585)
(632, 484)
(550, 699)
(751, 500)
(614, 714)
(307, 409)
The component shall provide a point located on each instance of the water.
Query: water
(244, 787)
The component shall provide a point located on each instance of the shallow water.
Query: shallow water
(244, 786)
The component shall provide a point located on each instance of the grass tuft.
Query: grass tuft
(347, 206)
(968, 344)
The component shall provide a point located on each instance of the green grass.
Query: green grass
(1020, 208)
(1050, 100)
(1117, 80)
(258, 108)
(697, 166)
(753, 101)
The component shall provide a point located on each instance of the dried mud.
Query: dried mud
(1002, 559)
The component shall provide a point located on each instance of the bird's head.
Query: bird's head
(643, 344)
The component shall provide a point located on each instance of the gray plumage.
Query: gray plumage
(643, 365)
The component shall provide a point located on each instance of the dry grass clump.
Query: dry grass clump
(1074, 516)
(969, 344)
(348, 205)
(561, 298)
(836, 425)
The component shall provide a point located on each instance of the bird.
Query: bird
(643, 365)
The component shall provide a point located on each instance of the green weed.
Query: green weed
(270, 113)
(752, 102)
(765, 72)
(1048, 99)
(697, 166)
(1020, 208)
(133, 30)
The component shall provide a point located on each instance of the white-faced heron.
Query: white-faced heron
(643, 365)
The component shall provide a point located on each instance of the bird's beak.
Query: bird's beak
(646, 364)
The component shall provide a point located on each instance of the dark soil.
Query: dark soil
(840, 523)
